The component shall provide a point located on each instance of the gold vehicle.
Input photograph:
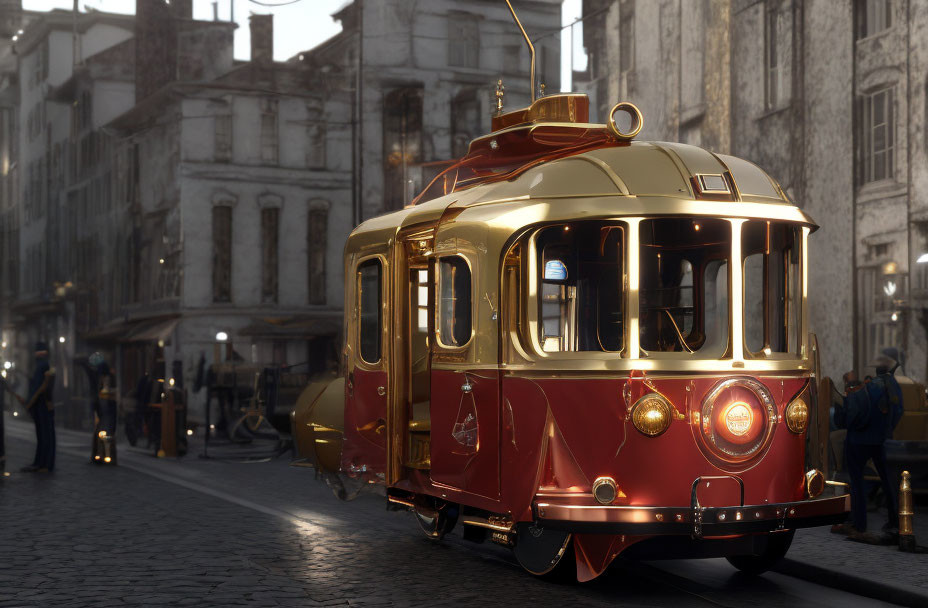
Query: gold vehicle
(579, 345)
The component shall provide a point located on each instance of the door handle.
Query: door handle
(381, 390)
(466, 387)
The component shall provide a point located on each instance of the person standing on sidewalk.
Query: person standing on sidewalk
(105, 413)
(870, 414)
(40, 405)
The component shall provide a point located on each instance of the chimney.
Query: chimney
(262, 38)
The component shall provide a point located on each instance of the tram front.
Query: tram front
(665, 361)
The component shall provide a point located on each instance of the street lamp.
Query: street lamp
(61, 339)
(222, 336)
(922, 259)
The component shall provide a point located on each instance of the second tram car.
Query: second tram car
(584, 346)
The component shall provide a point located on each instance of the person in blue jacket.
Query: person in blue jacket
(870, 414)
(41, 407)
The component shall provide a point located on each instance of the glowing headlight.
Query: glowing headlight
(652, 414)
(736, 421)
(797, 416)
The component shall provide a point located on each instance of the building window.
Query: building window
(269, 140)
(454, 301)
(270, 231)
(222, 253)
(877, 136)
(315, 135)
(369, 309)
(776, 91)
(223, 138)
(873, 16)
(463, 40)
(402, 145)
(512, 59)
(316, 234)
(465, 122)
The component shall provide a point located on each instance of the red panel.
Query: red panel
(465, 431)
(590, 415)
(365, 448)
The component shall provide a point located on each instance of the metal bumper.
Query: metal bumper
(696, 521)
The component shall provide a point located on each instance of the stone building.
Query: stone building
(169, 194)
(826, 95)
(426, 82)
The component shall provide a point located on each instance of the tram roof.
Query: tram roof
(637, 178)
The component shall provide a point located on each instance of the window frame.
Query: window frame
(531, 293)
(381, 265)
(792, 333)
(437, 305)
(867, 170)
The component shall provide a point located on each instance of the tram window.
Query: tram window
(454, 306)
(772, 302)
(582, 275)
(369, 298)
(683, 286)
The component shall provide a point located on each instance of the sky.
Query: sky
(298, 25)
(302, 24)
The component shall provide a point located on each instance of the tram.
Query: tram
(579, 345)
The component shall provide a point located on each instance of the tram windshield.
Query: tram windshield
(772, 297)
(683, 286)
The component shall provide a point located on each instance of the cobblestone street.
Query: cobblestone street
(217, 533)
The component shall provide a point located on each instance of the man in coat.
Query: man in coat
(40, 406)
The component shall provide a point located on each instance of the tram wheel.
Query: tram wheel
(544, 552)
(777, 545)
(436, 517)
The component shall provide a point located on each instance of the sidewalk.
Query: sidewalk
(817, 555)
(884, 571)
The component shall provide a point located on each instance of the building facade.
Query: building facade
(169, 194)
(829, 97)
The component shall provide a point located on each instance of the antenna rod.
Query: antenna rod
(531, 47)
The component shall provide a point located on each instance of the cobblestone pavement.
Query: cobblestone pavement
(215, 533)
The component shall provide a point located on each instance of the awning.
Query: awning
(153, 331)
(301, 326)
(110, 332)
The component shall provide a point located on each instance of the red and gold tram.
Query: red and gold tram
(585, 345)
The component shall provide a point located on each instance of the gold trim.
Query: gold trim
(637, 120)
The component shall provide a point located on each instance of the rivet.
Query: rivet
(493, 144)
(722, 516)
(679, 517)
(659, 516)
(757, 515)
(792, 511)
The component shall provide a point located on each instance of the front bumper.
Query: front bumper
(695, 521)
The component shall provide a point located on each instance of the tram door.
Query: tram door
(365, 447)
(465, 398)
(417, 360)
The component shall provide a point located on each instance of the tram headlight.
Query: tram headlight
(737, 420)
(797, 416)
(652, 414)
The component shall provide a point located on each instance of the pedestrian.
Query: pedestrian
(870, 413)
(105, 412)
(40, 406)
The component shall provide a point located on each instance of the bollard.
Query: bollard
(906, 513)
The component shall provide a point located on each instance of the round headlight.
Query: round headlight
(736, 422)
(797, 416)
(652, 414)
